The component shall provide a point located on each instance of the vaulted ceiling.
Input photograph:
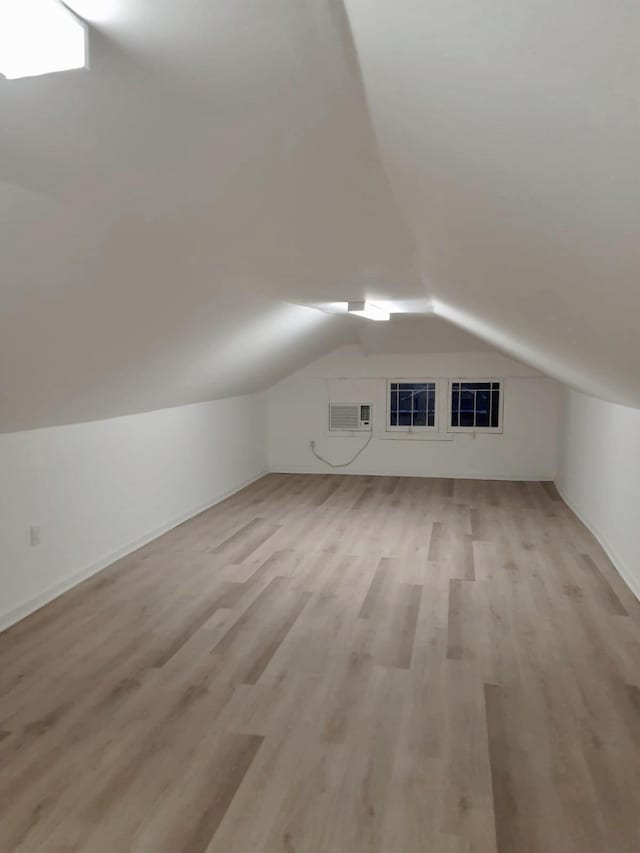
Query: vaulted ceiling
(172, 220)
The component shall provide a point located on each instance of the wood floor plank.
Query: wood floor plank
(241, 544)
(196, 620)
(404, 630)
(466, 561)
(634, 694)
(607, 595)
(188, 817)
(261, 628)
(375, 591)
(359, 801)
(434, 543)
(505, 799)
(455, 646)
(333, 664)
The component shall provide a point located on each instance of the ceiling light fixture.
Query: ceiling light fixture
(40, 37)
(366, 309)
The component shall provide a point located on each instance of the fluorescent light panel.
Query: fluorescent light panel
(368, 310)
(40, 37)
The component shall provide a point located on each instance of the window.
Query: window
(412, 405)
(476, 405)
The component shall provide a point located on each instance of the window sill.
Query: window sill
(392, 436)
(475, 431)
(415, 436)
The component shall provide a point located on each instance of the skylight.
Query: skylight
(40, 37)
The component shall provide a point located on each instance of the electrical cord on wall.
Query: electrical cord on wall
(312, 445)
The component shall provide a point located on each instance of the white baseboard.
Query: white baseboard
(14, 615)
(617, 562)
(308, 469)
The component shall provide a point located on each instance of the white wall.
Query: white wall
(97, 490)
(599, 475)
(298, 412)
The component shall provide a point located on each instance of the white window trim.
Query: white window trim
(413, 430)
(487, 430)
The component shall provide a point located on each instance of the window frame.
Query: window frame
(476, 429)
(408, 430)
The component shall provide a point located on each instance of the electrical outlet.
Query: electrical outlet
(35, 536)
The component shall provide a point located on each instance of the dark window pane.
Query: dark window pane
(467, 401)
(393, 408)
(475, 405)
(412, 404)
(455, 406)
(482, 409)
(495, 409)
(476, 386)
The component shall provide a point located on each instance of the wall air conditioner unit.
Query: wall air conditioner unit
(350, 418)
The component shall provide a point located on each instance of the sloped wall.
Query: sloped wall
(98, 490)
(599, 475)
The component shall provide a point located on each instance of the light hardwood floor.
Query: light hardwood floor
(338, 664)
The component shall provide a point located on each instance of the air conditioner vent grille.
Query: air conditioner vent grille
(349, 417)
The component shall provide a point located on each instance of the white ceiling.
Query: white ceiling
(510, 132)
(411, 334)
(166, 216)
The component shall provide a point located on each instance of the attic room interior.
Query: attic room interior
(319, 426)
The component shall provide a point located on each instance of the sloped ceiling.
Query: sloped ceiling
(408, 333)
(168, 217)
(510, 132)
(167, 214)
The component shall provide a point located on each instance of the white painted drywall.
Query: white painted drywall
(298, 412)
(599, 475)
(97, 490)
